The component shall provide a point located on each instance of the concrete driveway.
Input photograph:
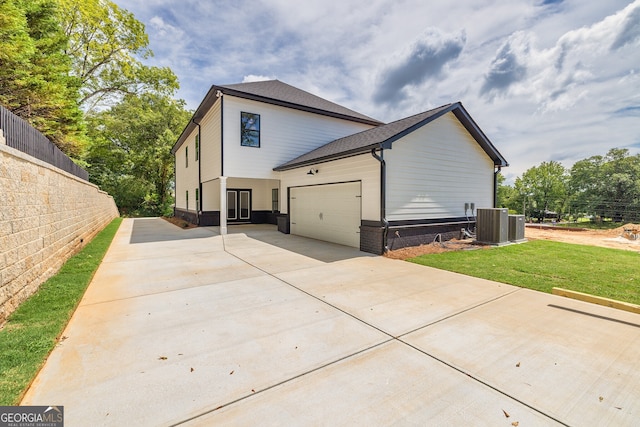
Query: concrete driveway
(185, 327)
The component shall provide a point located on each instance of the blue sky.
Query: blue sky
(545, 79)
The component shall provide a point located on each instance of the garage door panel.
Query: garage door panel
(327, 212)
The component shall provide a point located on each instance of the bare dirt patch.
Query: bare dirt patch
(434, 248)
(616, 238)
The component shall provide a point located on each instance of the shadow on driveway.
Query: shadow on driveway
(319, 250)
(149, 230)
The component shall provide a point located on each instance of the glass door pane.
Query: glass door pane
(232, 205)
(245, 205)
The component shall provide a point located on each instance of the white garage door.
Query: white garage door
(327, 212)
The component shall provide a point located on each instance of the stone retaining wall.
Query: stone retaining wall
(46, 216)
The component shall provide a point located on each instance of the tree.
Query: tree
(621, 194)
(130, 155)
(35, 80)
(507, 195)
(609, 186)
(105, 43)
(542, 189)
(16, 50)
(586, 186)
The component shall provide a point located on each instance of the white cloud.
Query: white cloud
(164, 30)
(425, 59)
(559, 77)
(630, 32)
(508, 67)
(253, 78)
(555, 81)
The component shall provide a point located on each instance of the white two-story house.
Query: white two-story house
(267, 152)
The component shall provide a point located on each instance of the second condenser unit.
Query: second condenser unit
(516, 228)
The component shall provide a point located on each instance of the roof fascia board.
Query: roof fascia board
(210, 99)
(252, 97)
(387, 144)
(202, 110)
(325, 159)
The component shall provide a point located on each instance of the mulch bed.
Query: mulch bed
(179, 222)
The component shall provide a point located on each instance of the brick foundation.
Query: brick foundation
(371, 237)
(402, 235)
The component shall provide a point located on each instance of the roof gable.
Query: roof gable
(384, 137)
(273, 92)
(279, 93)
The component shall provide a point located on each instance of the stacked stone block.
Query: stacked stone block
(46, 216)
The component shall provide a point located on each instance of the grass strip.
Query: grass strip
(542, 264)
(32, 331)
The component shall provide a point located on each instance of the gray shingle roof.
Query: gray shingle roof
(384, 136)
(277, 93)
(361, 142)
(280, 93)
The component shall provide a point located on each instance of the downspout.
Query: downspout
(383, 196)
(199, 207)
(495, 187)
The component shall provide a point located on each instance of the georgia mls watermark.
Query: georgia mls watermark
(31, 416)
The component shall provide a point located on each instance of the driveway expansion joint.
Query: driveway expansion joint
(456, 362)
(295, 377)
(391, 338)
(457, 313)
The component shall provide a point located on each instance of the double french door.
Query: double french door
(238, 205)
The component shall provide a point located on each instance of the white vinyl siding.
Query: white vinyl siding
(285, 134)
(210, 154)
(434, 171)
(363, 168)
(260, 192)
(186, 177)
(211, 195)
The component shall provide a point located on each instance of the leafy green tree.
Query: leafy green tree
(130, 155)
(16, 50)
(622, 190)
(35, 80)
(542, 189)
(507, 195)
(607, 186)
(585, 185)
(106, 44)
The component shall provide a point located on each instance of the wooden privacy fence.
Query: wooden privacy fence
(22, 136)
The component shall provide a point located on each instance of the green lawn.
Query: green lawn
(34, 328)
(542, 265)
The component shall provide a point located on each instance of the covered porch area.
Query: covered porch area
(234, 200)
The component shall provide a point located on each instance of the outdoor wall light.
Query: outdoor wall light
(312, 171)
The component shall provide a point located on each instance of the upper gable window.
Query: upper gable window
(197, 147)
(249, 129)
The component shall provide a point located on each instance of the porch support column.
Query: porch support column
(223, 205)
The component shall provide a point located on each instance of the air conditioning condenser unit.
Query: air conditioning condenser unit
(492, 226)
(516, 228)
